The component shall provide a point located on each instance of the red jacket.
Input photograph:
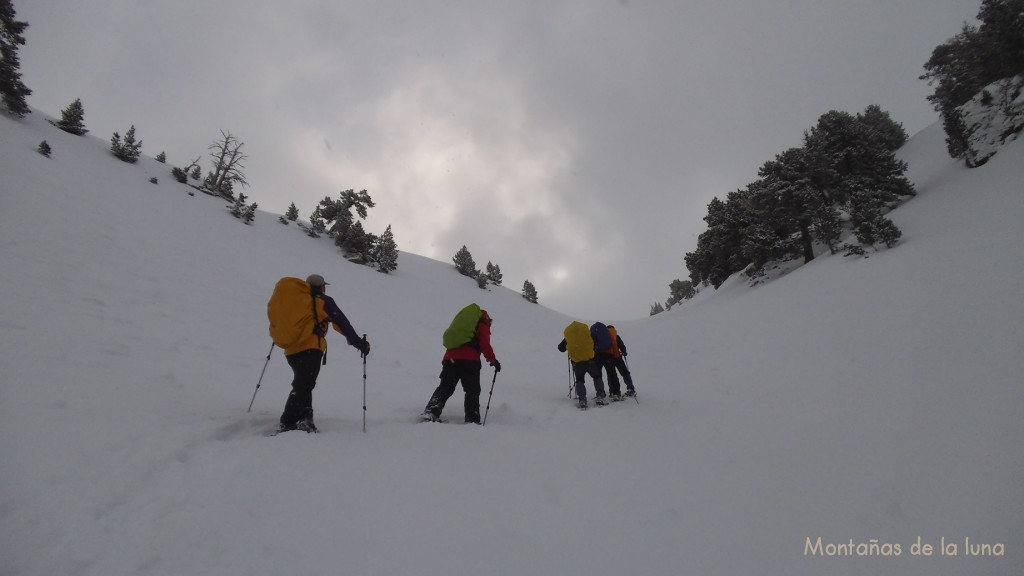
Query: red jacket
(480, 344)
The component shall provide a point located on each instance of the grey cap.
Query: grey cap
(316, 280)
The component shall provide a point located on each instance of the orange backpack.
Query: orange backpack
(290, 311)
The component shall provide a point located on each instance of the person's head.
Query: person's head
(316, 282)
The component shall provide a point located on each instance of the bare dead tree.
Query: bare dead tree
(227, 158)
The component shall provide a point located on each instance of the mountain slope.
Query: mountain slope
(877, 398)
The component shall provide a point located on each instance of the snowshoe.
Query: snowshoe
(600, 401)
(431, 417)
(630, 393)
(306, 425)
(615, 398)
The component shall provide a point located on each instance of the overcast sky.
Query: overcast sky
(573, 143)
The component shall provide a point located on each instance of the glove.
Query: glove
(364, 347)
(496, 364)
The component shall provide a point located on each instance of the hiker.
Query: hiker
(579, 343)
(308, 353)
(467, 338)
(604, 346)
(619, 353)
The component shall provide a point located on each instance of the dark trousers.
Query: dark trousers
(607, 361)
(452, 372)
(581, 369)
(620, 363)
(306, 367)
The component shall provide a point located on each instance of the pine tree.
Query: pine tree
(494, 273)
(337, 215)
(129, 150)
(243, 211)
(356, 241)
(44, 149)
(481, 280)
(72, 119)
(972, 59)
(657, 308)
(464, 262)
(13, 91)
(292, 213)
(386, 252)
(316, 224)
(679, 290)
(161, 158)
(529, 292)
(179, 174)
(719, 251)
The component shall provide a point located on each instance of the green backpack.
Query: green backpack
(463, 327)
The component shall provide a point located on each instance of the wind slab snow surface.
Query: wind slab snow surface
(855, 400)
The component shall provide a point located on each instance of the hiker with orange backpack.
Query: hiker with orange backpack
(468, 336)
(299, 313)
(619, 353)
(579, 343)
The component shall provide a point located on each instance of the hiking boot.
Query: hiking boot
(431, 417)
(306, 425)
(615, 398)
(600, 401)
(630, 393)
(582, 404)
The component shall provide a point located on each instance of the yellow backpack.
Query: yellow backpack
(579, 342)
(290, 311)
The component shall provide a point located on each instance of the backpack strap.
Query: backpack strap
(318, 328)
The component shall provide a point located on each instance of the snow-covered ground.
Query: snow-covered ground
(859, 401)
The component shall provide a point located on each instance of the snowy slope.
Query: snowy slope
(878, 398)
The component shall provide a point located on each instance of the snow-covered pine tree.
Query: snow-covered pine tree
(657, 308)
(292, 213)
(161, 158)
(385, 253)
(127, 150)
(316, 224)
(494, 274)
(679, 290)
(12, 90)
(44, 149)
(464, 262)
(72, 119)
(529, 292)
(356, 241)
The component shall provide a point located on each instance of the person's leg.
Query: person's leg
(469, 373)
(579, 369)
(620, 364)
(594, 369)
(305, 368)
(449, 378)
(608, 362)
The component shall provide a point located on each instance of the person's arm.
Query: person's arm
(340, 321)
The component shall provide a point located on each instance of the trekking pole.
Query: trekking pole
(364, 382)
(568, 363)
(260, 381)
(635, 395)
(484, 423)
